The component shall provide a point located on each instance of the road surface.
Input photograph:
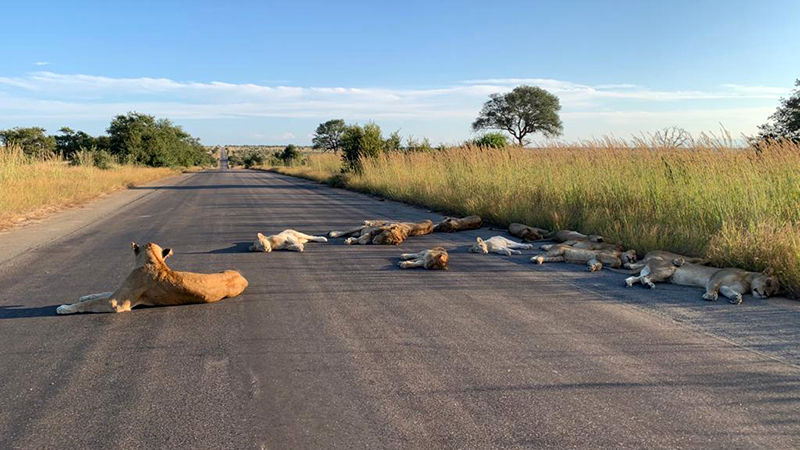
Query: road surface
(337, 348)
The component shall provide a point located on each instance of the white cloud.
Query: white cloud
(619, 106)
(41, 63)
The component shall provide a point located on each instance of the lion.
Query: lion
(499, 245)
(594, 259)
(569, 235)
(451, 224)
(730, 282)
(656, 266)
(390, 233)
(432, 259)
(586, 245)
(527, 233)
(152, 282)
(367, 224)
(285, 240)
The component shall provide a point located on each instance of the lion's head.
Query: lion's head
(261, 244)
(765, 284)
(479, 246)
(151, 253)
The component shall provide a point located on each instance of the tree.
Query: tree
(491, 140)
(328, 136)
(525, 110)
(785, 121)
(143, 139)
(290, 154)
(33, 140)
(361, 142)
(69, 142)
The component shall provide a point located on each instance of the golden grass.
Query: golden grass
(738, 207)
(30, 190)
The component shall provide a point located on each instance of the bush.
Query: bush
(290, 155)
(252, 159)
(360, 142)
(143, 139)
(413, 145)
(91, 158)
(491, 140)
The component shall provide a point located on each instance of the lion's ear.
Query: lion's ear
(769, 271)
(166, 253)
(480, 241)
(260, 235)
(135, 247)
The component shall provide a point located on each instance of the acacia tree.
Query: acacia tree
(525, 110)
(785, 121)
(33, 140)
(328, 135)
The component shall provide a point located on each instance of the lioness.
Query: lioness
(450, 224)
(500, 245)
(655, 267)
(731, 283)
(285, 240)
(594, 259)
(527, 233)
(390, 233)
(432, 259)
(569, 235)
(586, 245)
(152, 282)
(367, 224)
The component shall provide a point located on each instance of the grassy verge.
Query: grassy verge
(34, 189)
(738, 207)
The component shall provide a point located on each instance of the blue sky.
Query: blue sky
(268, 72)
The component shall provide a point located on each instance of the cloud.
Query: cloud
(49, 95)
(41, 63)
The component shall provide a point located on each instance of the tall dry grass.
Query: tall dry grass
(31, 189)
(739, 207)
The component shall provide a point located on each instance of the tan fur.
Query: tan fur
(431, 259)
(388, 233)
(285, 240)
(587, 245)
(451, 224)
(594, 259)
(655, 267)
(358, 231)
(153, 282)
(527, 233)
(731, 283)
(569, 235)
(500, 245)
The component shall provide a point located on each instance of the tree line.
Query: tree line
(132, 138)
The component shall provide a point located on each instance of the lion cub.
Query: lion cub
(285, 240)
(431, 259)
(499, 245)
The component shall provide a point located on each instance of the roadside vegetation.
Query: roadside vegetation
(736, 204)
(34, 187)
(40, 173)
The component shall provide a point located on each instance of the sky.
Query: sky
(269, 72)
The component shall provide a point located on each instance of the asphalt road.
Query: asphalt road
(337, 348)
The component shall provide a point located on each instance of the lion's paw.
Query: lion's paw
(65, 309)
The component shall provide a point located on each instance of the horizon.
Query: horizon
(261, 74)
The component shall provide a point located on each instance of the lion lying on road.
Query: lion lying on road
(384, 233)
(154, 283)
(656, 266)
(594, 259)
(499, 245)
(527, 233)
(731, 283)
(285, 240)
(435, 258)
(569, 235)
(450, 224)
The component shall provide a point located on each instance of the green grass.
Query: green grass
(736, 206)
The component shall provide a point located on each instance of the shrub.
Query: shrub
(290, 155)
(491, 140)
(360, 142)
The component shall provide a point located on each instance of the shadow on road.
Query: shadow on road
(222, 186)
(18, 311)
(238, 247)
